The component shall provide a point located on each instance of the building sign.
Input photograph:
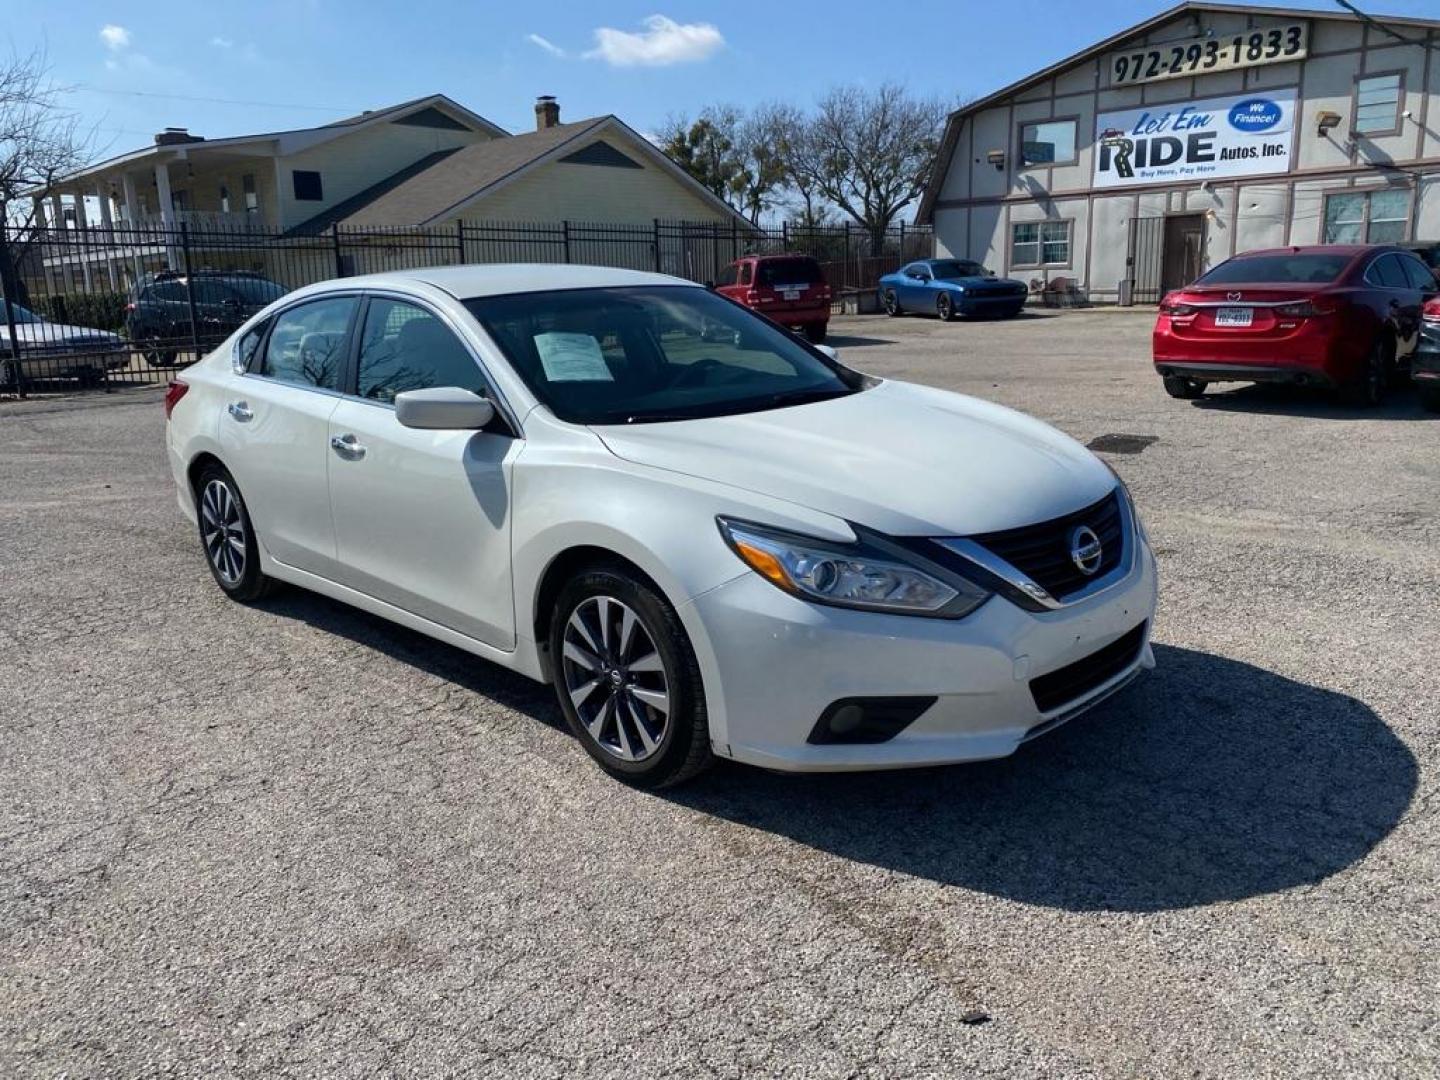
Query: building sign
(1197, 56)
(1191, 141)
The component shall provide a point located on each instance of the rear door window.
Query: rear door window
(308, 344)
(1387, 272)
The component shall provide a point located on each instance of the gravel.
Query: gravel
(295, 840)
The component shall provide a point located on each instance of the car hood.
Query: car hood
(904, 459)
(51, 334)
(983, 282)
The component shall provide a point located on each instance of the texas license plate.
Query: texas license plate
(1234, 316)
(791, 294)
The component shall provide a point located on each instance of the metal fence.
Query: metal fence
(117, 305)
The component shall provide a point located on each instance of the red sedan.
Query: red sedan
(1343, 317)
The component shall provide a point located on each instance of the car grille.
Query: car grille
(1042, 552)
(1076, 680)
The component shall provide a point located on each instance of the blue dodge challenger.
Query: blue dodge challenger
(950, 287)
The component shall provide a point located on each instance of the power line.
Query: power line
(82, 88)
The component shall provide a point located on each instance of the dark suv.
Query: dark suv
(157, 318)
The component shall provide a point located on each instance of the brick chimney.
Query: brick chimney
(547, 112)
(174, 136)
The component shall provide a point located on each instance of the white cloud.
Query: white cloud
(662, 42)
(222, 43)
(115, 37)
(549, 46)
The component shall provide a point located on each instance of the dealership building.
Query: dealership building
(1127, 169)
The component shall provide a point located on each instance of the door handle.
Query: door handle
(347, 446)
(240, 410)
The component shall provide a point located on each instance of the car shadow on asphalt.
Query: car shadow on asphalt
(1208, 780)
(855, 341)
(1402, 403)
(479, 676)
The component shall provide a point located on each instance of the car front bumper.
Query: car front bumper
(773, 664)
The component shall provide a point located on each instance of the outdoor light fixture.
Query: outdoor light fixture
(1325, 120)
(996, 158)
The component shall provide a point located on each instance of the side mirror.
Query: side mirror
(443, 408)
(832, 353)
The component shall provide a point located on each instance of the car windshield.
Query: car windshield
(653, 353)
(1286, 269)
(22, 315)
(951, 269)
(777, 273)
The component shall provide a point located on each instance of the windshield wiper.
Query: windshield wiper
(804, 397)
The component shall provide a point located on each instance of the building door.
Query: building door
(1183, 259)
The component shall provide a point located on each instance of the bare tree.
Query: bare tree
(40, 141)
(870, 153)
(786, 131)
(729, 154)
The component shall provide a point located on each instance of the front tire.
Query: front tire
(1183, 387)
(891, 303)
(627, 679)
(945, 307)
(228, 537)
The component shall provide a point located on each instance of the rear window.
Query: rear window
(777, 273)
(1287, 269)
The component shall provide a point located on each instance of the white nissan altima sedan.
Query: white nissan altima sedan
(712, 537)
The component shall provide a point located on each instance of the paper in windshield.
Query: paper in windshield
(572, 358)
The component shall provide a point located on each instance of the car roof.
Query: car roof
(1318, 249)
(498, 279)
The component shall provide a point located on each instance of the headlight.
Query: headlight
(1129, 503)
(849, 575)
(959, 288)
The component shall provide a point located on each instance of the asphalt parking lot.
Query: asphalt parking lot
(295, 840)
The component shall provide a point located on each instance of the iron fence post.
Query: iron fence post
(460, 237)
(565, 238)
(335, 245)
(189, 288)
(845, 260)
(7, 268)
(655, 242)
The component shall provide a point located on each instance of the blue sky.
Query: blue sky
(301, 62)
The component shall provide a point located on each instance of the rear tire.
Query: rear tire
(816, 332)
(1368, 391)
(1184, 387)
(228, 538)
(156, 355)
(620, 656)
(1430, 399)
(891, 303)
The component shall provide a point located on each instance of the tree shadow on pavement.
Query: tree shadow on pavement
(1208, 780)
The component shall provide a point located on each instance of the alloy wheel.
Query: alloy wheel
(616, 678)
(223, 531)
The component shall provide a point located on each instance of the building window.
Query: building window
(1377, 104)
(1367, 217)
(1040, 243)
(224, 198)
(247, 187)
(1049, 142)
(307, 185)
